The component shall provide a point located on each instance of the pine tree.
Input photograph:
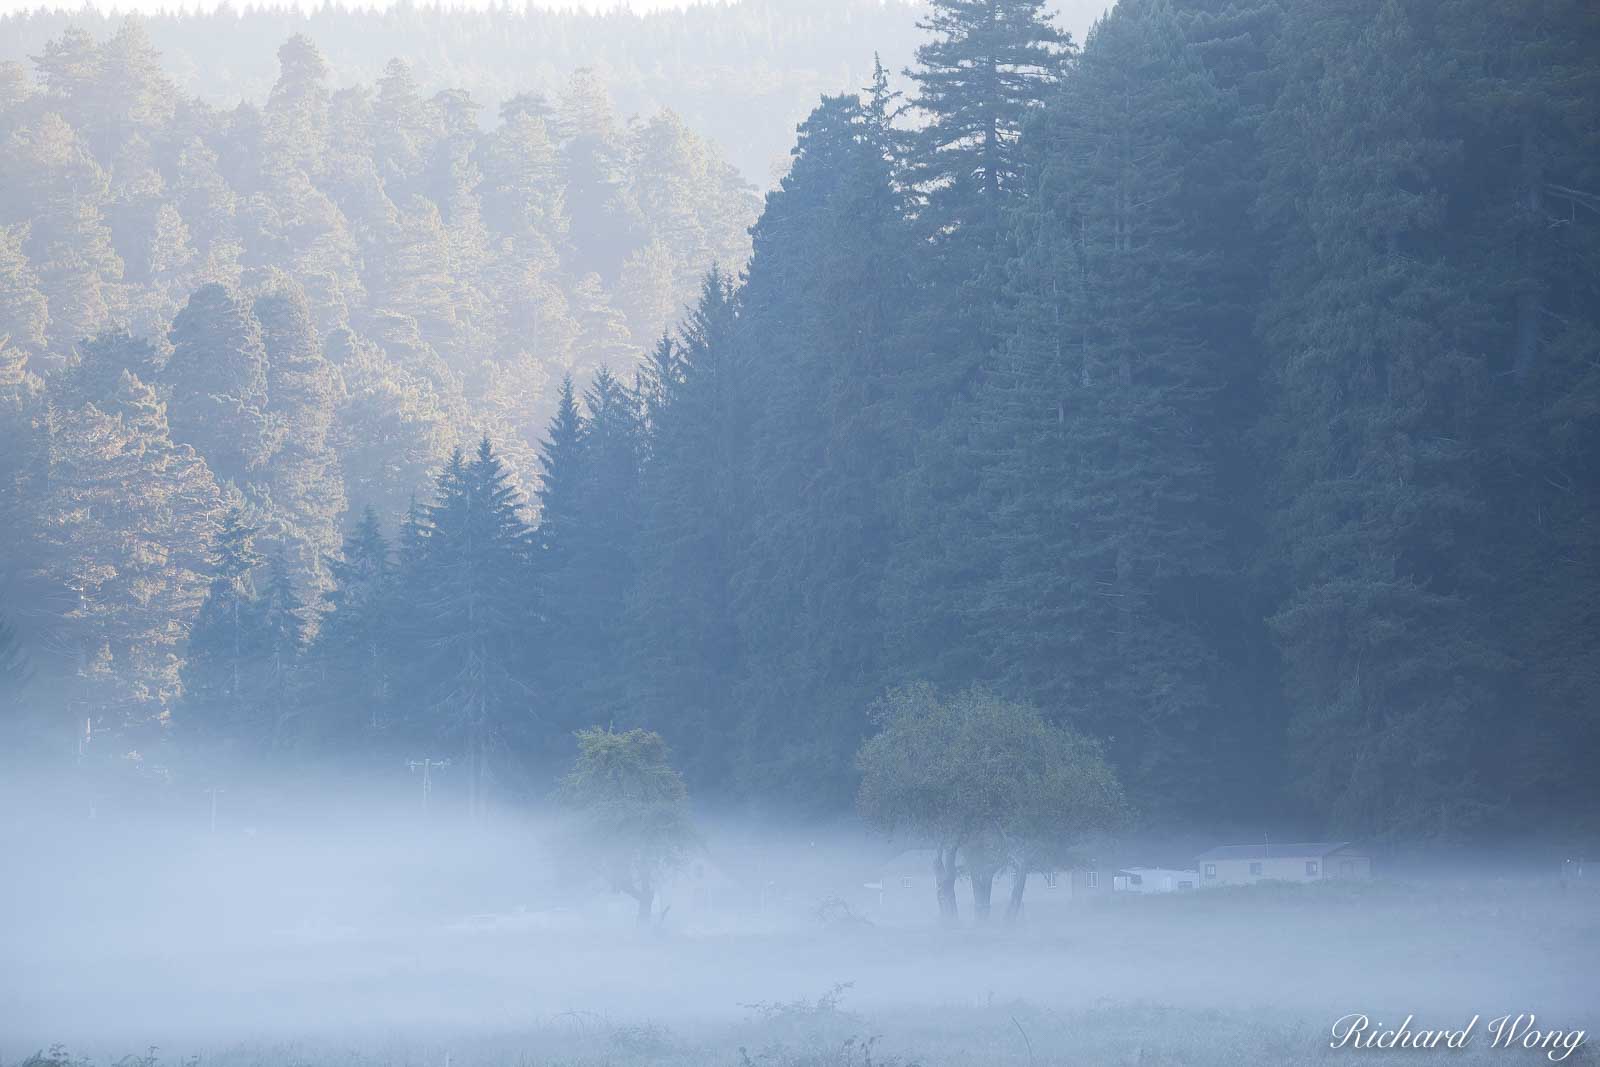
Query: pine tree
(603, 342)
(399, 131)
(471, 594)
(304, 398)
(96, 375)
(125, 520)
(281, 619)
(134, 99)
(1380, 377)
(522, 195)
(351, 661)
(297, 110)
(824, 307)
(592, 157)
(1525, 221)
(683, 649)
(15, 674)
(217, 376)
(990, 66)
(991, 63)
(560, 479)
(1098, 528)
(23, 414)
(586, 597)
(220, 707)
(24, 311)
(393, 428)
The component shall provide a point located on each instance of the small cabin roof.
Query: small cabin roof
(1274, 850)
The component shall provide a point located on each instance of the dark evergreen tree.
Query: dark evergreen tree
(989, 65)
(277, 679)
(560, 479)
(1380, 380)
(351, 662)
(471, 596)
(683, 641)
(1099, 434)
(1524, 220)
(821, 316)
(586, 584)
(221, 707)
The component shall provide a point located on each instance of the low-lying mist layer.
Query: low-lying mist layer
(364, 937)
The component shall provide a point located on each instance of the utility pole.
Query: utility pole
(427, 766)
(214, 791)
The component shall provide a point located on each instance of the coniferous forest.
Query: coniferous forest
(1225, 385)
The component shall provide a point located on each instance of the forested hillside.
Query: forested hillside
(740, 74)
(298, 307)
(1227, 387)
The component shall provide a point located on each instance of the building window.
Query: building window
(1211, 870)
(1255, 868)
(1347, 867)
(1091, 879)
(1049, 879)
(1136, 879)
(905, 883)
(1311, 868)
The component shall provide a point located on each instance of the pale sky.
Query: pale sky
(147, 6)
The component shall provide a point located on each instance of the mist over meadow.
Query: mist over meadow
(763, 534)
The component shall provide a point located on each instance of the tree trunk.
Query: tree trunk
(944, 875)
(1019, 883)
(982, 893)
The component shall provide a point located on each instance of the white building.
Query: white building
(1154, 880)
(1299, 861)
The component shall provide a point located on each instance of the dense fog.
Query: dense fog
(355, 922)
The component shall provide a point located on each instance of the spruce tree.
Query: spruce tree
(1098, 433)
(283, 624)
(221, 706)
(586, 595)
(683, 645)
(471, 596)
(351, 661)
(1380, 377)
(560, 478)
(822, 316)
(990, 64)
